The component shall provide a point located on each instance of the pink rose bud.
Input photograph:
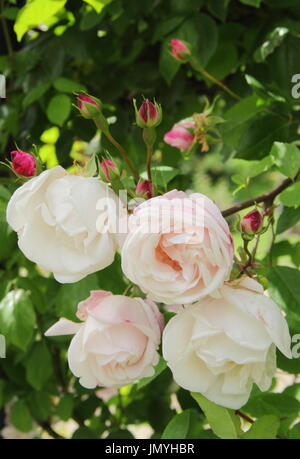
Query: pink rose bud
(144, 188)
(148, 115)
(180, 136)
(252, 222)
(108, 169)
(23, 163)
(180, 50)
(88, 105)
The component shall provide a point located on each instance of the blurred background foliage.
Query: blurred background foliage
(117, 50)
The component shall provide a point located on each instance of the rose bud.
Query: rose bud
(252, 222)
(180, 136)
(89, 106)
(144, 188)
(148, 115)
(108, 170)
(180, 50)
(23, 163)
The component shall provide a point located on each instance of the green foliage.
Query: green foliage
(224, 422)
(17, 318)
(178, 427)
(265, 428)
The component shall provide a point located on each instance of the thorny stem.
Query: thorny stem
(244, 416)
(149, 159)
(214, 80)
(45, 426)
(10, 50)
(267, 198)
(124, 156)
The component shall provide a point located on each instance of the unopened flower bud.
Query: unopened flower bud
(108, 170)
(148, 115)
(23, 163)
(180, 50)
(252, 223)
(144, 189)
(89, 106)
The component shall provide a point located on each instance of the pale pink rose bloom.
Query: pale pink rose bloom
(178, 248)
(220, 347)
(116, 343)
(179, 136)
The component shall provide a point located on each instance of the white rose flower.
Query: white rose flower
(178, 249)
(63, 225)
(221, 346)
(117, 342)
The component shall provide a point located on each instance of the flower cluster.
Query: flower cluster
(178, 250)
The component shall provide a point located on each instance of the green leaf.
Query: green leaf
(98, 5)
(288, 218)
(201, 31)
(36, 12)
(258, 167)
(290, 197)
(294, 433)
(120, 434)
(237, 117)
(162, 175)
(274, 39)
(286, 156)
(224, 422)
(59, 109)
(284, 286)
(219, 8)
(65, 407)
(35, 94)
(65, 85)
(163, 28)
(262, 91)
(160, 367)
(85, 433)
(178, 427)
(168, 66)
(284, 289)
(70, 295)
(40, 405)
(20, 416)
(17, 318)
(220, 68)
(280, 405)
(38, 366)
(8, 240)
(264, 428)
(291, 366)
(259, 136)
(255, 3)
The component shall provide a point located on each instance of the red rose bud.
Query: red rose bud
(180, 50)
(108, 170)
(252, 222)
(144, 188)
(89, 106)
(23, 163)
(148, 115)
